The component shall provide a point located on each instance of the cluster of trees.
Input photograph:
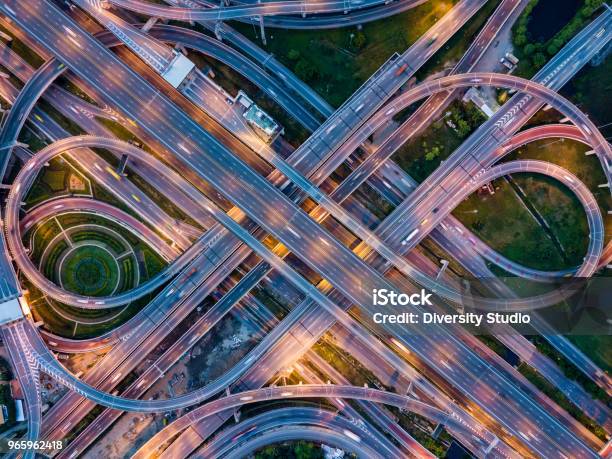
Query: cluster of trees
(303, 68)
(538, 53)
(467, 118)
(297, 450)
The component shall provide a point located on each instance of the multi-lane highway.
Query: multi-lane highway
(450, 355)
(287, 237)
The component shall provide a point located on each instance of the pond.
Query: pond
(549, 16)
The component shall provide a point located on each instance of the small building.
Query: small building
(474, 96)
(263, 124)
(178, 70)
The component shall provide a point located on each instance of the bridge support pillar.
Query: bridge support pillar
(590, 152)
(262, 31)
(492, 445)
(218, 31)
(410, 388)
(150, 23)
(442, 269)
(122, 164)
(437, 431)
(564, 120)
(604, 185)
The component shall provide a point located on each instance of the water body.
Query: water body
(549, 16)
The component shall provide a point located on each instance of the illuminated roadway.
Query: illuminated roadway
(82, 113)
(70, 205)
(127, 97)
(503, 172)
(31, 169)
(75, 346)
(425, 204)
(247, 10)
(22, 259)
(250, 428)
(332, 21)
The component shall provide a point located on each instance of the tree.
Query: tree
(293, 54)
(463, 128)
(554, 46)
(432, 154)
(538, 60)
(552, 49)
(529, 49)
(474, 116)
(359, 40)
(520, 40)
(478, 225)
(305, 70)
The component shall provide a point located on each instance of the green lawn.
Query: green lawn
(597, 348)
(90, 271)
(54, 181)
(563, 212)
(559, 206)
(504, 223)
(335, 63)
(292, 450)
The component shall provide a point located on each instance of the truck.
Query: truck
(512, 58)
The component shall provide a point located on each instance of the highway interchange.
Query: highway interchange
(217, 153)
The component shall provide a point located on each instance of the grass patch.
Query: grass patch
(23, 50)
(555, 202)
(153, 262)
(90, 271)
(292, 450)
(563, 212)
(54, 181)
(346, 364)
(597, 348)
(336, 62)
(506, 225)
